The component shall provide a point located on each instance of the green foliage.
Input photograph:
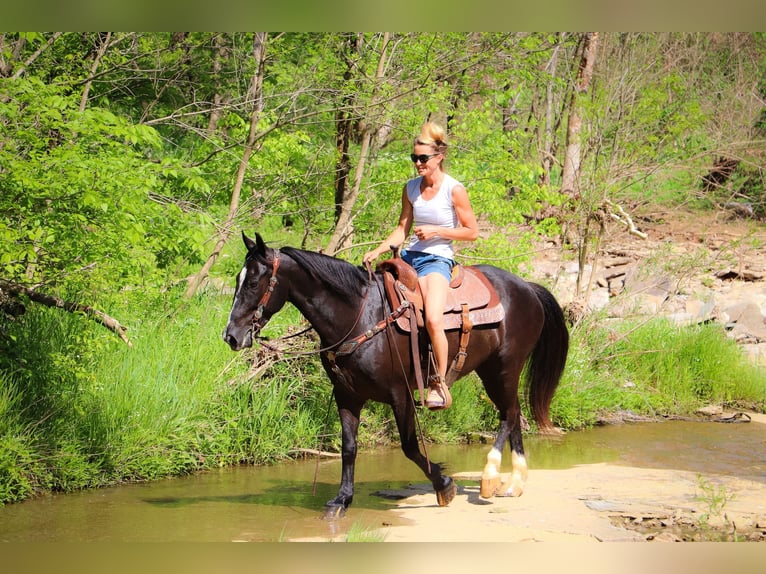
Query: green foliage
(69, 177)
(18, 471)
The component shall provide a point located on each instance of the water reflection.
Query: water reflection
(281, 502)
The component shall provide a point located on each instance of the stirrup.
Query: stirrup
(438, 397)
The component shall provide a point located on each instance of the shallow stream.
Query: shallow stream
(278, 502)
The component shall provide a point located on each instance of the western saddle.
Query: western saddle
(471, 301)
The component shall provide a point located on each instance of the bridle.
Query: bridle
(258, 314)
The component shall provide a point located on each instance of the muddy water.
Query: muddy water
(279, 503)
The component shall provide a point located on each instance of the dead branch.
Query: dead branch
(622, 217)
(315, 452)
(110, 323)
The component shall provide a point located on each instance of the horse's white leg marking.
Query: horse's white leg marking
(515, 487)
(490, 476)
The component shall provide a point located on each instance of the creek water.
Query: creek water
(280, 502)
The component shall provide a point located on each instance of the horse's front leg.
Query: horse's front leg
(349, 411)
(404, 413)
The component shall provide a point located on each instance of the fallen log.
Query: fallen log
(15, 289)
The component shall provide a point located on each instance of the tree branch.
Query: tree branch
(36, 55)
(48, 300)
(622, 217)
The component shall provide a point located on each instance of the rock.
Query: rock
(647, 295)
(693, 268)
(710, 410)
(665, 536)
(747, 319)
(700, 310)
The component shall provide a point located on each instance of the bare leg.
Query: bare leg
(435, 288)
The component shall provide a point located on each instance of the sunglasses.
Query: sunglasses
(422, 158)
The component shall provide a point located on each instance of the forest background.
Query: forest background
(131, 162)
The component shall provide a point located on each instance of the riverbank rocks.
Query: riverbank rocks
(691, 269)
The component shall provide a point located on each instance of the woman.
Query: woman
(441, 212)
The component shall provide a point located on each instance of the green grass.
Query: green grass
(81, 409)
(653, 368)
(357, 532)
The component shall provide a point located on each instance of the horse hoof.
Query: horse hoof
(510, 490)
(489, 486)
(333, 512)
(447, 494)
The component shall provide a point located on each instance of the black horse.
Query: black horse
(342, 302)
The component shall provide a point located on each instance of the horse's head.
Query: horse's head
(255, 297)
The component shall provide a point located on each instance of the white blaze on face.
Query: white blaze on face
(240, 282)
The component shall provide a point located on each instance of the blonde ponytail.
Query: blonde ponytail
(432, 134)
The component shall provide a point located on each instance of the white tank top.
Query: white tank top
(436, 211)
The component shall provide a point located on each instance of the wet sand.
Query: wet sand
(587, 503)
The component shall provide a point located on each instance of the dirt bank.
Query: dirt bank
(589, 503)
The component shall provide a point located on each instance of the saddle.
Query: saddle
(470, 291)
(471, 301)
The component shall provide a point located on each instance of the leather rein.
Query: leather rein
(343, 346)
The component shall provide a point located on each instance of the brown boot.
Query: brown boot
(438, 397)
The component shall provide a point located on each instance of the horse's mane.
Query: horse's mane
(342, 277)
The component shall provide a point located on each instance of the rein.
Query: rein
(346, 347)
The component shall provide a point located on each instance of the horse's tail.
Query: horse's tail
(546, 364)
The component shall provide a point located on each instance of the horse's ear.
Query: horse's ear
(257, 247)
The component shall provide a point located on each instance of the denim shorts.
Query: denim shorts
(425, 263)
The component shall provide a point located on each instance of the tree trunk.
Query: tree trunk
(344, 126)
(571, 172)
(29, 61)
(548, 133)
(256, 93)
(6, 66)
(343, 228)
(219, 54)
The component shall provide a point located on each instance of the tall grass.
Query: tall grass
(80, 409)
(653, 368)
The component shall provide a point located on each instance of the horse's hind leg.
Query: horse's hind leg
(514, 486)
(490, 476)
(505, 396)
(492, 482)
